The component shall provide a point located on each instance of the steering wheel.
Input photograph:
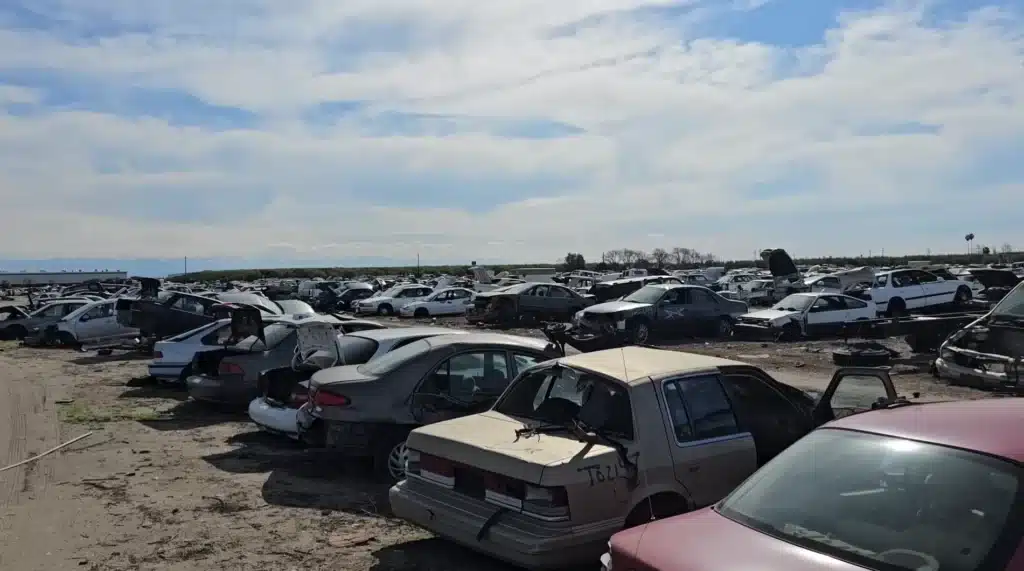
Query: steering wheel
(910, 559)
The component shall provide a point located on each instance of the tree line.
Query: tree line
(667, 258)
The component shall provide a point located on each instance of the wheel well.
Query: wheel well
(657, 506)
(898, 301)
(421, 311)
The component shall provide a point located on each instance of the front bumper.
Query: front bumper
(511, 537)
(978, 378)
(756, 330)
(229, 389)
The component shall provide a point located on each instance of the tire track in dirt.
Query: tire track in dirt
(13, 428)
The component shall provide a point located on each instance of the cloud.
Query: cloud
(322, 131)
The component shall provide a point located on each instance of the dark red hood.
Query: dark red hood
(706, 541)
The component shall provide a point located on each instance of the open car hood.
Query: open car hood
(996, 278)
(150, 287)
(779, 262)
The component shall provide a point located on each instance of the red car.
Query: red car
(924, 487)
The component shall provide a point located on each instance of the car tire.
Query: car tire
(385, 309)
(963, 295)
(389, 457)
(896, 308)
(185, 374)
(421, 312)
(790, 332)
(640, 332)
(65, 339)
(15, 332)
(855, 356)
(724, 327)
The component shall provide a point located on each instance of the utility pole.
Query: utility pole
(417, 262)
(186, 264)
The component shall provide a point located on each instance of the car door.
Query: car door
(704, 310)
(93, 325)
(534, 299)
(773, 420)
(462, 384)
(440, 305)
(934, 289)
(905, 286)
(461, 299)
(826, 315)
(560, 300)
(670, 313)
(853, 390)
(711, 453)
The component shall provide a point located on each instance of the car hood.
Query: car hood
(615, 307)
(377, 299)
(771, 314)
(707, 541)
(996, 278)
(488, 441)
(334, 376)
(779, 262)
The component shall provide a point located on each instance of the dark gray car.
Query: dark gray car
(368, 410)
(662, 309)
(20, 324)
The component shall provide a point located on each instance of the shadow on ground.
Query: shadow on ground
(188, 415)
(304, 477)
(433, 554)
(113, 358)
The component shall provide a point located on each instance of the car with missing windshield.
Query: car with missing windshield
(815, 314)
(583, 446)
(929, 487)
(368, 410)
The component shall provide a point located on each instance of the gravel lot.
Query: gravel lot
(164, 484)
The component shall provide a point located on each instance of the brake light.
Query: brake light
(437, 470)
(327, 399)
(546, 503)
(229, 369)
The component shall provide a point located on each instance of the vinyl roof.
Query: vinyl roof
(634, 365)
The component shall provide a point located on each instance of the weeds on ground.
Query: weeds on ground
(81, 413)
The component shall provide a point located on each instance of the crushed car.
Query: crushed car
(526, 302)
(616, 289)
(581, 447)
(988, 353)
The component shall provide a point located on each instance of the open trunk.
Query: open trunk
(285, 387)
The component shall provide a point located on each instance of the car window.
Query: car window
(189, 304)
(356, 350)
(854, 303)
(881, 280)
(558, 292)
(54, 310)
(701, 297)
(829, 282)
(470, 377)
(708, 411)
(443, 296)
(218, 337)
(460, 294)
(101, 311)
(905, 504)
(903, 279)
(524, 362)
(923, 277)
(540, 291)
(770, 417)
(275, 334)
(561, 395)
(395, 358)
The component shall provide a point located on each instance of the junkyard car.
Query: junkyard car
(663, 309)
(392, 300)
(21, 323)
(615, 289)
(897, 291)
(807, 315)
(995, 284)
(529, 301)
(447, 301)
(580, 447)
(368, 410)
(284, 390)
(988, 353)
(92, 325)
(926, 487)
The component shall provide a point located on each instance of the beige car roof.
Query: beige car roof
(635, 364)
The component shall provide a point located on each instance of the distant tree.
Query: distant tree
(574, 261)
(660, 257)
(1006, 248)
(985, 250)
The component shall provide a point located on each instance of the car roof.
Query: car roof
(634, 365)
(991, 426)
(489, 339)
(405, 332)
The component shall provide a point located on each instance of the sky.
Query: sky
(334, 132)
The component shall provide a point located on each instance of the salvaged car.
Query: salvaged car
(352, 294)
(807, 315)
(841, 281)
(528, 302)
(447, 301)
(368, 410)
(583, 446)
(988, 353)
(91, 326)
(995, 284)
(391, 301)
(21, 323)
(927, 487)
(663, 309)
(284, 390)
(895, 292)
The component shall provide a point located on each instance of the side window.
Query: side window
(708, 411)
(471, 377)
(423, 292)
(854, 303)
(757, 402)
(540, 291)
(830, 283)
(218, 337)
(459, 294)
(701, 297)
(100, 311)
(524, 361)
(924, 277)
(558, 292)
(189, 304)
(57, 310)
(445, 296)
(902, 279)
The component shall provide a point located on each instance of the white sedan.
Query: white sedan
(448, 301)
(810, 314)
(393, 300)
(172, 357)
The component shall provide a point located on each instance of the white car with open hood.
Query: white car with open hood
(808, 315)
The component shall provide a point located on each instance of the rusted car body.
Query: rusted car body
(531, 301)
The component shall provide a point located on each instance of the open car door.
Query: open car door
(854, 390)
(245, 321)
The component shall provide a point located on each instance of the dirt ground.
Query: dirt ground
(164, 484)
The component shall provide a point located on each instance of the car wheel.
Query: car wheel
(725, 327)
(389, 459)
(963, 295)
(16, 332)
(640, 332)
(385, 309)
(421, 312)
(896, 308)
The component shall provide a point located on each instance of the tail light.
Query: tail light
(546, 503)
(229, 369)
(327, 399)
(437, 470)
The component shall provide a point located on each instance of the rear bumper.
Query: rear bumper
(512, 537)
(277, 420)
(228, 390)
(166, 371)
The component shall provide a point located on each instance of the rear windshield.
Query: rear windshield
(904, 504)
(355, 350)
(391, 361)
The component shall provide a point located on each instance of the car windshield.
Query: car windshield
(794, 303)
(274, 333)
(355, 350)
(390, 361)
(1012, 305)
(904, 504)
(646, 294)
(559, 394)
